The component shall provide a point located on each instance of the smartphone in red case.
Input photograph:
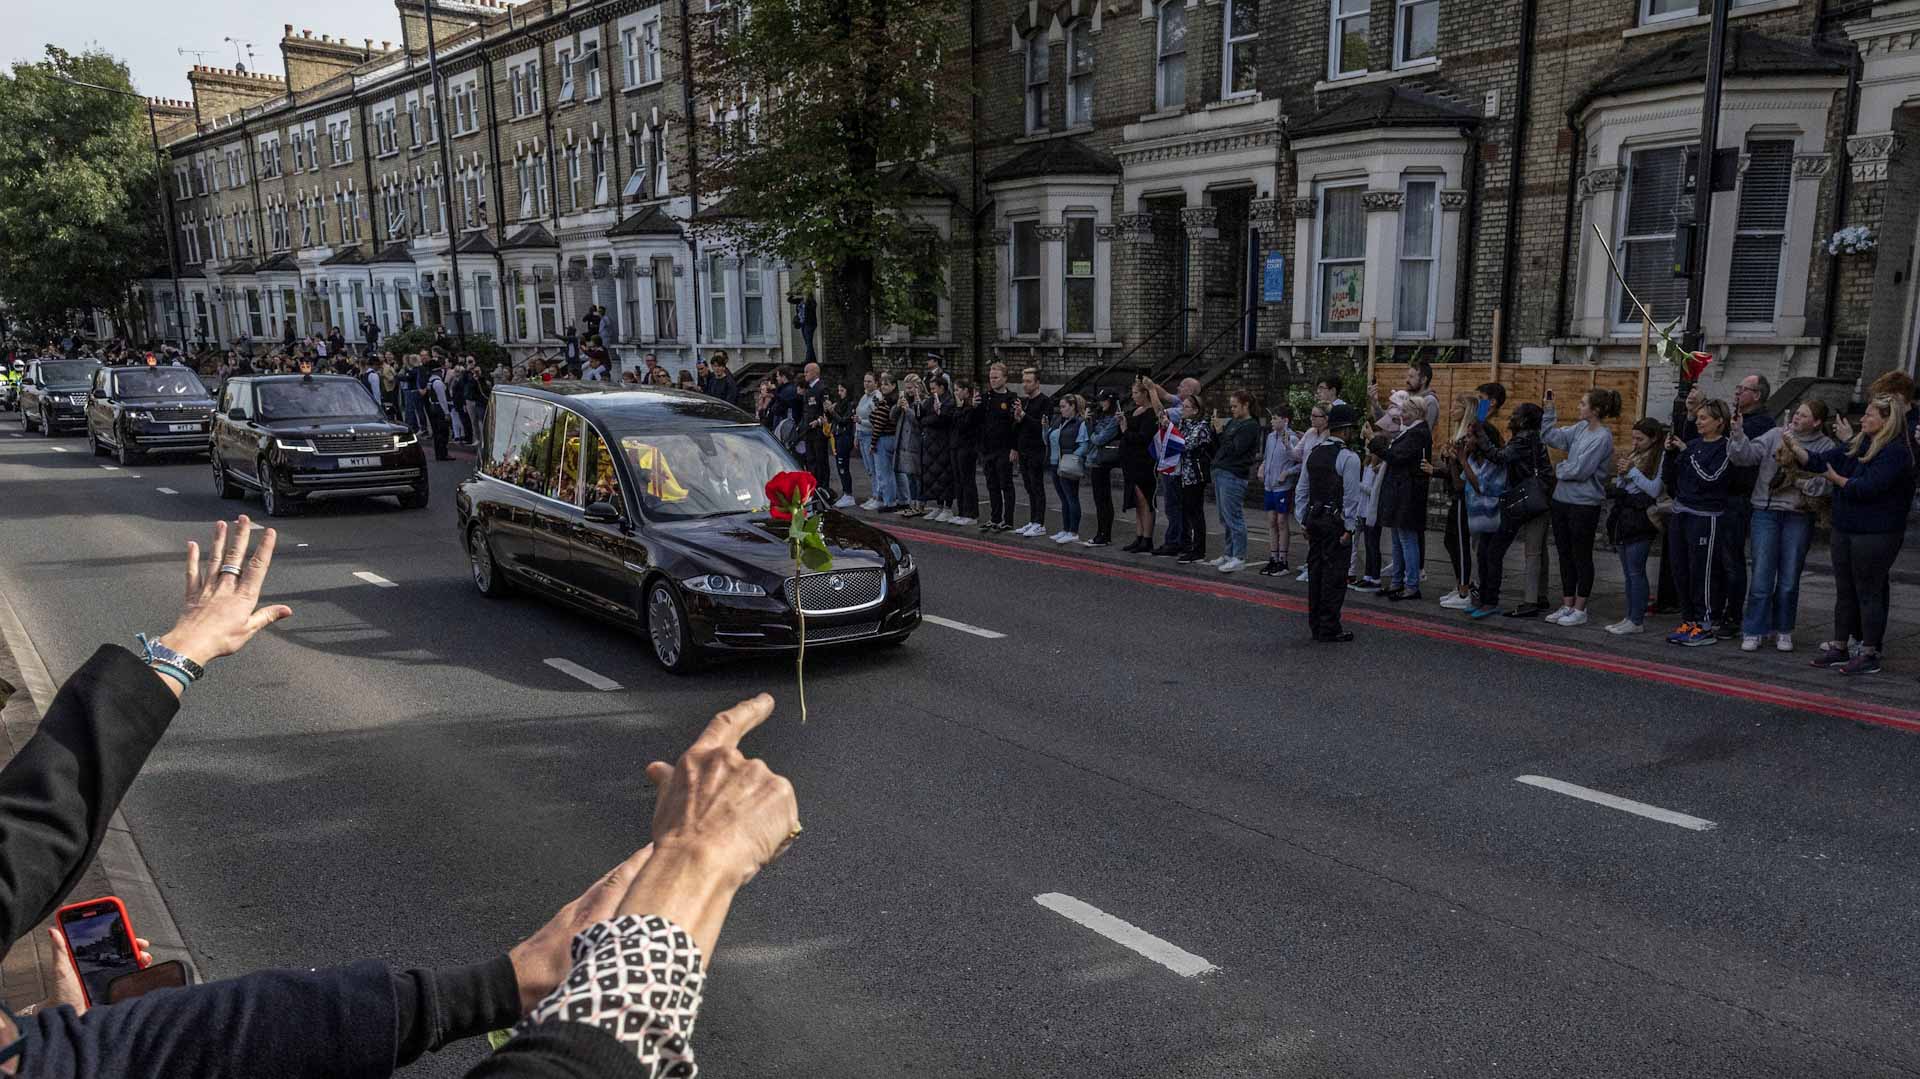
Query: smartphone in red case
(100, 943)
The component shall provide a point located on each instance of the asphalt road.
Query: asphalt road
(1340, 833)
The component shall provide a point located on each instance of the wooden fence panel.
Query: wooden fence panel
(1527, 383)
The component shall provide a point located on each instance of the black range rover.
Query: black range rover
(54, 394)
(298, 438)
(648, 507)
(137, 410)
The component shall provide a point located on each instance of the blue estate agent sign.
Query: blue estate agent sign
(1273, 286)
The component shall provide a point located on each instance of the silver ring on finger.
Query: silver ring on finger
(230, 568)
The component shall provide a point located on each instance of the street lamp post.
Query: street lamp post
(446, 167)
(166, 204)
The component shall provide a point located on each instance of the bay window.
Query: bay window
(1170, 55)
(1653, 11)
(753, 298)
(1340, 258)
(1654, 208)
(716, 298)
(1078, 277)
(1415, 279)
(485, 301)
(549, 302)
(1239, 69)
(1026, 277)
(1760, 232)
(666, 308)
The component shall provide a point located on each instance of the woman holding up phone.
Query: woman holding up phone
(1632, 492)
(1784, 500)
(1578, 496)
(1872, 477)
(1138, 424)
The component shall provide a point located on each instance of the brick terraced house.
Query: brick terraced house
(1244, 189)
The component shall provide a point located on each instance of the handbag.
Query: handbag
(1524, 502)
(1107, 456)
(1072, 466)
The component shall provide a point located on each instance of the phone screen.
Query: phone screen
(1486, 406)
(102, 948)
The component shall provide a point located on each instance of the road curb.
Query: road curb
(118, 868)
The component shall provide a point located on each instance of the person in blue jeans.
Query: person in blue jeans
(885, 441)
(1236, 445)
(1403, 495)
(1630, 494)
(1070, 434)
(1781, 528)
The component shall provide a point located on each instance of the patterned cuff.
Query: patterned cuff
(638, 978)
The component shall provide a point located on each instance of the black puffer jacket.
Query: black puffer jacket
(937, 416)
(1404, 487)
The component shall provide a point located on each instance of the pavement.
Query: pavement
(1107, 816)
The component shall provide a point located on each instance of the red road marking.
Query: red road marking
(1884, 715)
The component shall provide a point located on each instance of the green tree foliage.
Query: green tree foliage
(79, 211)
(828, 110)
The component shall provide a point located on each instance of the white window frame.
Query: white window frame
(564, 58)
(486, 303)
(650, 49)
(716, 297)
(1015, 278)
(590, 64)
(630, 58)
(1782, 233)
(523, 180)
(517, 85)
(1648, 17)
(1164, 98)
(1431, 258)
(1335, 20)
(1320, 261)
(666, 300)
(597, 153)
(1402, 11)
(413, 122)
(1037, 55)
(1091, 277)
(753, 299)
(1079, 75)
(1229, 51)
(1621, 239)
(542, 195)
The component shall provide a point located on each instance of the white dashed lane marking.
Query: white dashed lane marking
(568, 667)
(962, 627)
(1614, 801)
(374, 579)
(58, 449)
(1174, 958)
(111, 468)
(166, 490)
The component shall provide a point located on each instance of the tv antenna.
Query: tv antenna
(238, 64)
(199, 55)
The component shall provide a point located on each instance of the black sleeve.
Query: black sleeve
(61, 789)
(285, 1023)
(559, 1050)
(438, 1007)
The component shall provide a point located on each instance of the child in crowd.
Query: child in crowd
(1370, 523)
(1279, 471)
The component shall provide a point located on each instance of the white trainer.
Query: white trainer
(1750, 642)
(1574, 618)
(1626, 626)
(1783, 642)
(844, 502)
(870, 504)
(1233, 565)
(1556, 616)
(1454, 601)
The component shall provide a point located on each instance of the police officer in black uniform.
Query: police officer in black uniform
(1331, 516)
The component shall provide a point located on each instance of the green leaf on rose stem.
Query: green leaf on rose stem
(816, 559)
(497, 1039)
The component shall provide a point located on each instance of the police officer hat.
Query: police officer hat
(1339, 416)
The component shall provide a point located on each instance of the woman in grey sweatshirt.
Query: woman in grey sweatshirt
(1785, 499)
(1579, 495)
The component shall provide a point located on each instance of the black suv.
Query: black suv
(296, 438)
(54, 394)
(138, 410)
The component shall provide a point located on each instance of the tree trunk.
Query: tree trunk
(852, 290)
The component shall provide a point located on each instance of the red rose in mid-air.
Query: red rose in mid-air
(1696, 363)
(787, 492)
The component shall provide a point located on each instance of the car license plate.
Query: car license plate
(179, 428)
(359, 462)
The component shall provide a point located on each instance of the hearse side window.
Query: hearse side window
(603, 476)
(519, 451)
(566, 446)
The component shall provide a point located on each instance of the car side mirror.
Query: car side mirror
(602, 512)
(237, 414)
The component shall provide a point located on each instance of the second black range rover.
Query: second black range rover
(136, 410)
(54, 394)
(298, 438)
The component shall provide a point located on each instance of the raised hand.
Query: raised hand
(542, 961)
(1842, 430)
(221, 612)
